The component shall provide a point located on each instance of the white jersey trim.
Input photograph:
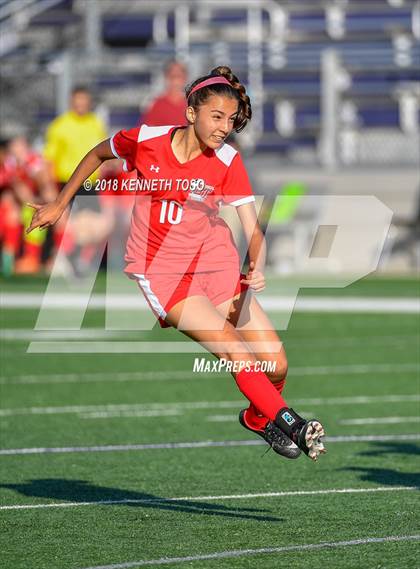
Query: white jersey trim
(153, 300)
(148, 132)
(226, 153)
(242, 201)
(115, 153)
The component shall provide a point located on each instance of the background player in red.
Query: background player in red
(169, 107)
(10, 226)
(32, 183)
(183, 256)
(23, 177)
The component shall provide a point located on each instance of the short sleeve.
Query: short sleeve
(124, 145)
(236, 188)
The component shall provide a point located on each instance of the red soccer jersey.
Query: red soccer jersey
(7, 175)
(175, 227)
(27, 171)
(164, 110)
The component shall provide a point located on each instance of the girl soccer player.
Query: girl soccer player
(182, 254)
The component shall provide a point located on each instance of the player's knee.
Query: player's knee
(234, 349)
(277, 371)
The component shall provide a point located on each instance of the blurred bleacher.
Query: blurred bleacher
(118, 48)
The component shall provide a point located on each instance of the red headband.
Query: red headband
(212, 81)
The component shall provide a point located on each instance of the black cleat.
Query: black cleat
(279, 441)
(305, 434)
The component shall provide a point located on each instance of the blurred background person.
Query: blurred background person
(10, 228)
(24, 177)
(69, 138)
(71, 135)
(169, 108)
(32, 183)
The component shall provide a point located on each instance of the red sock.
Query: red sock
(57, 238)
(12, 238)
(33, 250)
(253, 417)
(256, 387)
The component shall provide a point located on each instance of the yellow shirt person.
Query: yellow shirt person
(70, 136)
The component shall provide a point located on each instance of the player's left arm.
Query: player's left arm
(256, 246)
(48, 214)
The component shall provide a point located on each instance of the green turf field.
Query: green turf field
(128, 460)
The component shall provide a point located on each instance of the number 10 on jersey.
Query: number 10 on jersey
(171, 212)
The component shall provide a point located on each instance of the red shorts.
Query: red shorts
(164, 291)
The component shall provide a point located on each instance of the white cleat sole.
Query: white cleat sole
(313, 436)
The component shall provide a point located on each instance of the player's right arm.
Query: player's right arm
(50, 213)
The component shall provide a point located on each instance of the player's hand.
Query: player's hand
(254, 279)
(45, 215)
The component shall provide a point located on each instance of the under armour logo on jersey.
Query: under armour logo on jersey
(154, 168)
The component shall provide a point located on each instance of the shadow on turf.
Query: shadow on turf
(391, 448)
(386, 476)
(83, 491)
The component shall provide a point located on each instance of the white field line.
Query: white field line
(380, 421)
(142, 347)
(131, 347)
(212, 498)
(234, 553)
(120, 408)
(163, 375)
(128, 414)
(195, 444)
(224, 418)
(28, 334)
(355, 369)
(12, 334)
(273, 303)
(345, 341)
(163, 408)
(360, 400)
(169, 375)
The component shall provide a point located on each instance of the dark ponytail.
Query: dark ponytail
(235, 90)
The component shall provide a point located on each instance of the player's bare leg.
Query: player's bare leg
(257, 330)
(197, 318)
(221, 339)
(254, 327)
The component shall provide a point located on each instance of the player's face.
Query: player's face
(214, 120)
(81, 102)
(176, 77)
